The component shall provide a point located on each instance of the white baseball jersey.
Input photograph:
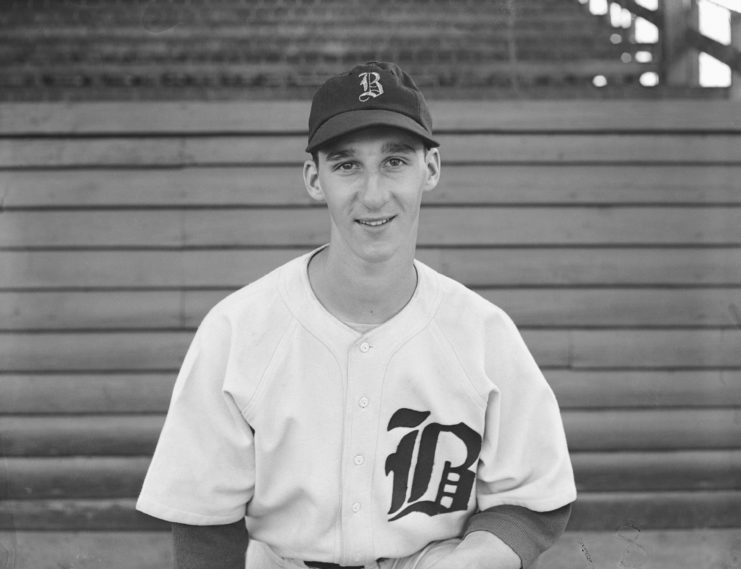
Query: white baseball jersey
(348, 447)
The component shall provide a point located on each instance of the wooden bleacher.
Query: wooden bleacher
(610, 231)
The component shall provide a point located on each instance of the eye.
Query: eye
(345, 166)
(395, 162)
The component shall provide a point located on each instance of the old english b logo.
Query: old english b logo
(370, 81)
(450, 491)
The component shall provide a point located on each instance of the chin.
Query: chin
(378, 252)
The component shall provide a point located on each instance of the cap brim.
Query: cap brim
(351, 121)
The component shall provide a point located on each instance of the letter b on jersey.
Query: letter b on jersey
(411, 482)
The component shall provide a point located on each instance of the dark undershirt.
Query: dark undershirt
(528, 533)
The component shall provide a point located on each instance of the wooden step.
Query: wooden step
(586, 430)
(122, 393)
(109, 119)
(624, 348)
(626, 545)
(631, 546)
(440, 227)
(592, 512)
(475, 148)
(119, 310)
(235, 187)
(232, 269)
(121, 477)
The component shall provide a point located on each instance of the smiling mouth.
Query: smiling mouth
(378, 222)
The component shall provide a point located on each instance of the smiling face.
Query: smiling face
(373, 181)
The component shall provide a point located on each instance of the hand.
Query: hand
(479, 550)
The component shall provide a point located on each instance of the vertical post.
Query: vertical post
(679, 63)
(735, 90)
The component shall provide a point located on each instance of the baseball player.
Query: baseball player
(354, 408)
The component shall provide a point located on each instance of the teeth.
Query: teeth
(374, 222)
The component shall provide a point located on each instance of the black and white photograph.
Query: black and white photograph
(370, 284)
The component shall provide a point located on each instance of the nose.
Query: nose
(373, 194)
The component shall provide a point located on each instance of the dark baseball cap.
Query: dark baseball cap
(372, 94)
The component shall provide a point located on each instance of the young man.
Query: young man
(355, 408)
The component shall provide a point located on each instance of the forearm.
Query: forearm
(210, 547)
(524, 531)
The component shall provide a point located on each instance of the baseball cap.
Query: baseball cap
(371, 94)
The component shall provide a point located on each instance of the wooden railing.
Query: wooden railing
(681, 41)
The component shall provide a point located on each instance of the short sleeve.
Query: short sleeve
(524, 460)
(202, 471)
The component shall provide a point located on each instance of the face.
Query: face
(373, 181)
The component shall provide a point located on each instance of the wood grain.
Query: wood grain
(662, 549)
(121, 477)
(274, 149)
(608, 184)
(536, 307)
(440, 227)
(273, 116)
(552, 348)
(232, 269)
(598, 511)
(586, 430)
(120, 393)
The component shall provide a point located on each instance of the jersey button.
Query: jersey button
(364, 347)
(359, 459)
(363, 402)
(356, 507)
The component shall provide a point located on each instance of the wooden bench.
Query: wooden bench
(610, 231)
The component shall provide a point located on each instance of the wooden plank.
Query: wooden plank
(669, 349)
(659, 471)
(646, 388)
(100, 393)
(73, 477)
(87, 550)
(587, 430)
(121, 477)
(272, 149)
(604, 511)
(615, 547)
(281, 186)
(608, 307)
(95, 515)
(231, 269)
(88, 269)
(552, 348)
(537, 307)
(86, 393)
(646, 510)
(93, 351)
(309, 227)
(657, 429)
(281, 116)
(109, 435)
(636, 547)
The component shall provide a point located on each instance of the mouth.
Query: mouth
(375, 221)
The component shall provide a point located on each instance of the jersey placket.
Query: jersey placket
(364, 382)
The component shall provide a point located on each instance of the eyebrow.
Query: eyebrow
(388, 148)
(340, 153)
(398, 147)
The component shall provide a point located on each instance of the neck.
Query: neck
(364, 293)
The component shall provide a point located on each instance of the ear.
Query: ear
(432, 163)
(311, 180)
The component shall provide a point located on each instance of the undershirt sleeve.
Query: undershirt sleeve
(210, 547)
(527, 532)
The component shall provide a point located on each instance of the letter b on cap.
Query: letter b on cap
(370, 81)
